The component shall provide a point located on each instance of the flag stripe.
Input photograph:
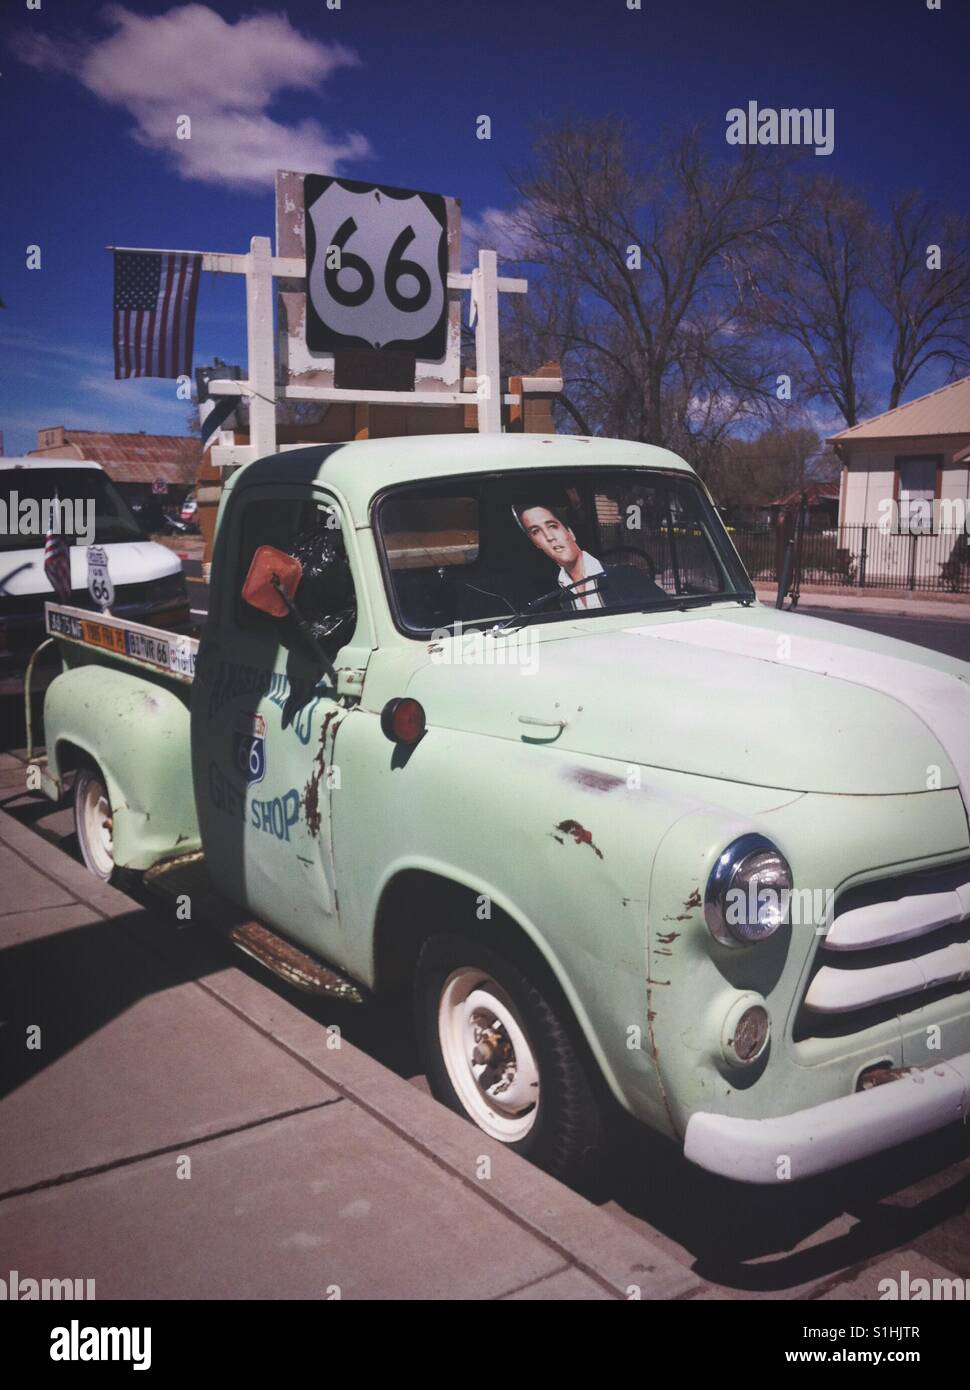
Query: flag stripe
(150, 343)
(167, 273)
(190, 316)
(177, 318)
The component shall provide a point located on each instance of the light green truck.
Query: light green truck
(499, 721)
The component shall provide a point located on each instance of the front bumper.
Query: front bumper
(827, 1136)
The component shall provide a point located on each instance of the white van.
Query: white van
(147, 578)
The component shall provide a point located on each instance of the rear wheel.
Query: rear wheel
(94, 822)
(498, 1051)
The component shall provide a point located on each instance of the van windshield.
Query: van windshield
(489, 548)
(92, 512)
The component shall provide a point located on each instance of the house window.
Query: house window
(917, 489)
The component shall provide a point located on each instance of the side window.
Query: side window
(917, 489)
(310, 531)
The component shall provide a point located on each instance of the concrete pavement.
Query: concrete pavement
(903, 604)
(175, 1128)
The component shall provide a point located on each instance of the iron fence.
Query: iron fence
(864, 557)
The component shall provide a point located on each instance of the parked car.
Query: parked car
(147, 578)
(499, 722)
(190, 510)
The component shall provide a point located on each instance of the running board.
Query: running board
(291, 964)
(185, 875)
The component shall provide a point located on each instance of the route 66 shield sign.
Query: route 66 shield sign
(100, 587)
(249, 748)
(377, 268)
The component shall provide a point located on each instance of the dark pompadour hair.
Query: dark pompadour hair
(520, 508)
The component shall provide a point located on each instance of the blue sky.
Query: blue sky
(387, 90)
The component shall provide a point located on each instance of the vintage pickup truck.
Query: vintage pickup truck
(499, 721)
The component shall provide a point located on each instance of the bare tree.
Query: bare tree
(922, 280)
(810, 290)
(770, 465)
(641, 296)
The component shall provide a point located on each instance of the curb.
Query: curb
(874, 606)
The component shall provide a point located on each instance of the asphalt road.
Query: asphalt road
(948, 635)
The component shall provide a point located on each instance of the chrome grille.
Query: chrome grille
(893, 946)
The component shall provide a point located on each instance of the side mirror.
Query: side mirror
(273, 579)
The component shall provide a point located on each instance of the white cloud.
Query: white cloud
(54, 352)
(136, 393)
(191, 62)
(496, 229)
(101, 403)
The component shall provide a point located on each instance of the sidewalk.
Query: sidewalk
(180, 1130)
(953, 606)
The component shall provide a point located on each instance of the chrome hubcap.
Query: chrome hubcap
(487, 1055)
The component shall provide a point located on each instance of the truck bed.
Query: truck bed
(153, 649)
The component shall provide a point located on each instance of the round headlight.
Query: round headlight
(748, 892)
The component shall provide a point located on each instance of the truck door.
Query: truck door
(265, 717)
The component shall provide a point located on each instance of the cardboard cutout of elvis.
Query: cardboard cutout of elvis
(586, 583)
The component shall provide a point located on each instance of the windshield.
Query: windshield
(505, 547)
(92, 511)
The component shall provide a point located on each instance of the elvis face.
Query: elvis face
(548, 534)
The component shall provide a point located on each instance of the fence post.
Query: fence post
(862, 557)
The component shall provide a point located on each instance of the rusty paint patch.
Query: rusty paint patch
(667, 938)
(694, 900)
(311, 792)
(580, 834)
(594, 781)
(291, 964)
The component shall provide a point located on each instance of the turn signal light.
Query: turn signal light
(403, 721)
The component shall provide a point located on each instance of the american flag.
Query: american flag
(57, 556)
(155, 295)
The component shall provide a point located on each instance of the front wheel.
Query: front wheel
(497, 1050)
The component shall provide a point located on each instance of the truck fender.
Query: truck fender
(137, 732)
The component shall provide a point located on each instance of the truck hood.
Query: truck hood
(129, 562)
(748, 695)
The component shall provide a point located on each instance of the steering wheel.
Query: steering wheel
(630, 553)
(585, 587)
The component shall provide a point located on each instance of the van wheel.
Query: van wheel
(93, 822)
(497, 1051)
